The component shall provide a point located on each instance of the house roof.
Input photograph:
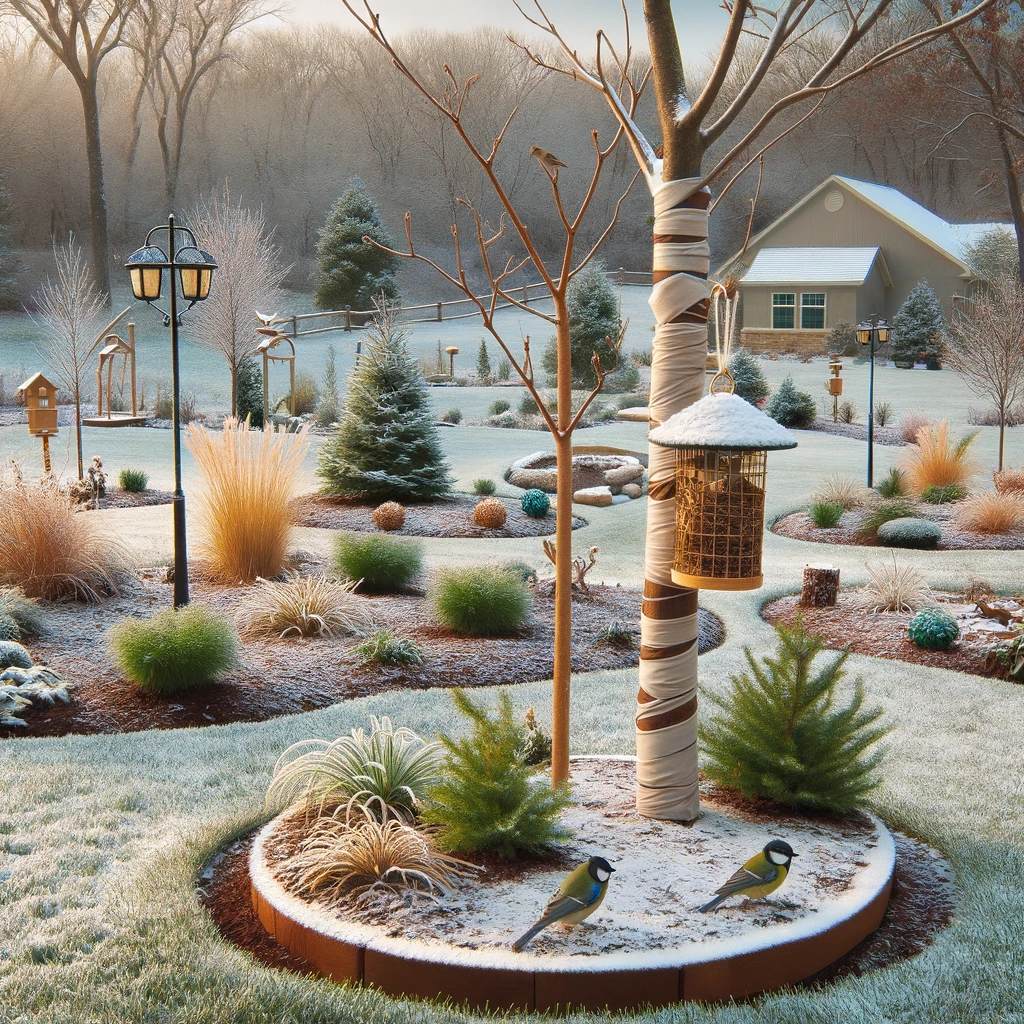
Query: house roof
(36, 380)
(813, 265)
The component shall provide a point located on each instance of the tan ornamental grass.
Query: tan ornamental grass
(992, 512)
(935, 460)
(311, 606)
(894, 588)
(911, 424)
(342, 856)
(53, 551)
(244, 512)
(842, 489)
(1009, 480)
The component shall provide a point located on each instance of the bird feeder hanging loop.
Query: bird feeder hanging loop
(727, 385)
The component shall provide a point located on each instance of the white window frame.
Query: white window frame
(823, 307)
(784, 305)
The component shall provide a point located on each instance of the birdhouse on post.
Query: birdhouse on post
(452, 351)
(721, 443)
(40, 398)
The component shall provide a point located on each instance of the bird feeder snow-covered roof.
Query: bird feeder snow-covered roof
(724, 421)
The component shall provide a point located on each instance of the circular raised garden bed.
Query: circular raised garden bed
(646, 946)
(589, 469)
(446, 517)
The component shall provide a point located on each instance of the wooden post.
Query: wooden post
(526, 294)
(131, 345)
(439, 312)
(46, 454)
(348, 318)
(821, 586)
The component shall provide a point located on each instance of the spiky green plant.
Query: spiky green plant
(480, 600)
(9, 629)
(386, 647)
(886, 510)
(488, 797)
(386, 771)
(134, 481)
(893, 484)
(783, 733)
(484, 486)
(13, 655)
(618, 634)
(826, 514)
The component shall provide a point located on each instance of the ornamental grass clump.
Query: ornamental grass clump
(826, 515)
(935, 460)
(480, 600)
(936, 495)
(1009, 480)
(244, 510)
(894, 588)
(134, 481)
(841, 489)
(886, 510)
(177, 649)
(310, 606)
(386, 647)
(484, 487)
(783, 733)
(992, 512)
(377, 564)
(488, 797)
(384, 772)
(893, 484)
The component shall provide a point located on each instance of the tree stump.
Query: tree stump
(821, 586)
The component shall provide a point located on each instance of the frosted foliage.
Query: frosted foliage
(722, 421)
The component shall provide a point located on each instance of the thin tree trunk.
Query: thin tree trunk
(99, 240)
(234, 389)
(1012, 177)
(78, 431)
(1002, 436)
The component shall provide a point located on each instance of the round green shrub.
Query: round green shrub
(909, 533)
(525, 572)
(826, 514)
(484, 487)
(936, 495)
(381, 565)
(933, 629)
(9, 629)
(177, 649)
(498, 406)
(480, 600)
(134, 481)
(13, 655)
(535, 503)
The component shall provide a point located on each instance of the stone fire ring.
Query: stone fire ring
(760, 960)
(596, 468)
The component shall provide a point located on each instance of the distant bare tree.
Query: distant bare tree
(69, 312)
(986, 346)
(80, 34)
(248, 278)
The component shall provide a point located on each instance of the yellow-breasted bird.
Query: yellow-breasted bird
(580, 894)
(762, 874)
(548, 161)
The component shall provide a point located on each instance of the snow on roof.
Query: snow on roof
(722, 421)
(812, 265)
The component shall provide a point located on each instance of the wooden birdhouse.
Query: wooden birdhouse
(40, 398)
(722, 443)
(835, 382)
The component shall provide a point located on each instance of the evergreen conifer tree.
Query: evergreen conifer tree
(918, 325)
(351, 272)
(483, 361)
(249, 391)
(751, 383)
(11, 267)
(327, 408)
(386, 444)
(783, 734)
(790, 407)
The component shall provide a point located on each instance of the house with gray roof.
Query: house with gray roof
(847, 250)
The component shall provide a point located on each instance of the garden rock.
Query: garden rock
(909, 532)
(639, 414)
(599, 496)
(632, 490)
(588, 471)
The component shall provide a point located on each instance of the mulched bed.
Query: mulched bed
(446, 517)
(800, 526)
(116, 498)
(884, 634)
(888, 436)
(279, 677)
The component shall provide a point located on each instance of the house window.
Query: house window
(783, 311)
(812, 311)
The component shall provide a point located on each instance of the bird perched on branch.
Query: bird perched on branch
(761, 875)
(548, 161)
(580, 894)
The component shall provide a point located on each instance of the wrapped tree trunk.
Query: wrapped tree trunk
(821, 586)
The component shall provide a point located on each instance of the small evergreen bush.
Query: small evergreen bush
(504, 369)
(826, 515)
(484, 487)
(248, 394)
(26, 613)
(134, 481)
(790, 407)
(893, 484)
(884, 511)
(625, 379)
(480, 600)
(751, 383)
(177, 649)
(618, 634)
(536, 503)
(528, 405)
(918, 325)
(933, 629)
(9, 629)
(922, 534)
(13, 655)
(489, 798)
(327, 406)
(452, 416)
(386, 647)
(498, 406)
(783, 733)
(483, 362)
(527, 573)
(936, 495)
(379, 564)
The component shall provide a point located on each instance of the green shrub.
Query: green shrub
(936, 495)
(826, 514)
(884, 511)
(480, 600)
(381, 565)
(536, 503)
(484, 486)
(910, 532)
(506, 420)
(9, 629)
(489, 798)
(386, 647)
(603, 415)
(248, 393)
(528, 405)
(177, 649)
(632, 401)
(893, 484)
(451, 416)
(625, 378)
(883, 413)
(536, 748)
(790, 407)
(13, 655)
(527, 573)
(933, 629)
(134, 481)
(751, 383)
(25, 611)
(782, 733)
(618, 634)
(498, 406)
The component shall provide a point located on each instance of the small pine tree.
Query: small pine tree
(751, 383)
(327, 408)
(386, 445)
(11, 267)
(593, 327)
(918, 325)
(489, 797)
(790, 407)
(351, 272)
(249, 391)
(782, 733)
(483, 361)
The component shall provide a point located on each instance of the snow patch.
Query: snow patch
(722, 421)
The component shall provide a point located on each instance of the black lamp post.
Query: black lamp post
(874, 331)
(191, 272)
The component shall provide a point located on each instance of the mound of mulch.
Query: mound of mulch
(445, 517)
(280, 677)
(889, 436)
(116, 498)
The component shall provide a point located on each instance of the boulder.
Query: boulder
(632, 490)
(588, 470)
(599, 496)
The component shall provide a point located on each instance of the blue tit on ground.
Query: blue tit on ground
(761, 875)
(580, 894)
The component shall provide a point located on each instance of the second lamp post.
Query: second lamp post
(873, 331)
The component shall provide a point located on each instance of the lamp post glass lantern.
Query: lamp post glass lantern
(190, 274)
(874, 331)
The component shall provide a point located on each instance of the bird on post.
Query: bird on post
(548, 161)
(582, 891)
(761, 875)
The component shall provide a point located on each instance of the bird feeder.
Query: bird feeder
(452, 353)
(40, 398)
(272, 339)
(834, 386)
(722, 443)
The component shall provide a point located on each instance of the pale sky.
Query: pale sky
(700, 22)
